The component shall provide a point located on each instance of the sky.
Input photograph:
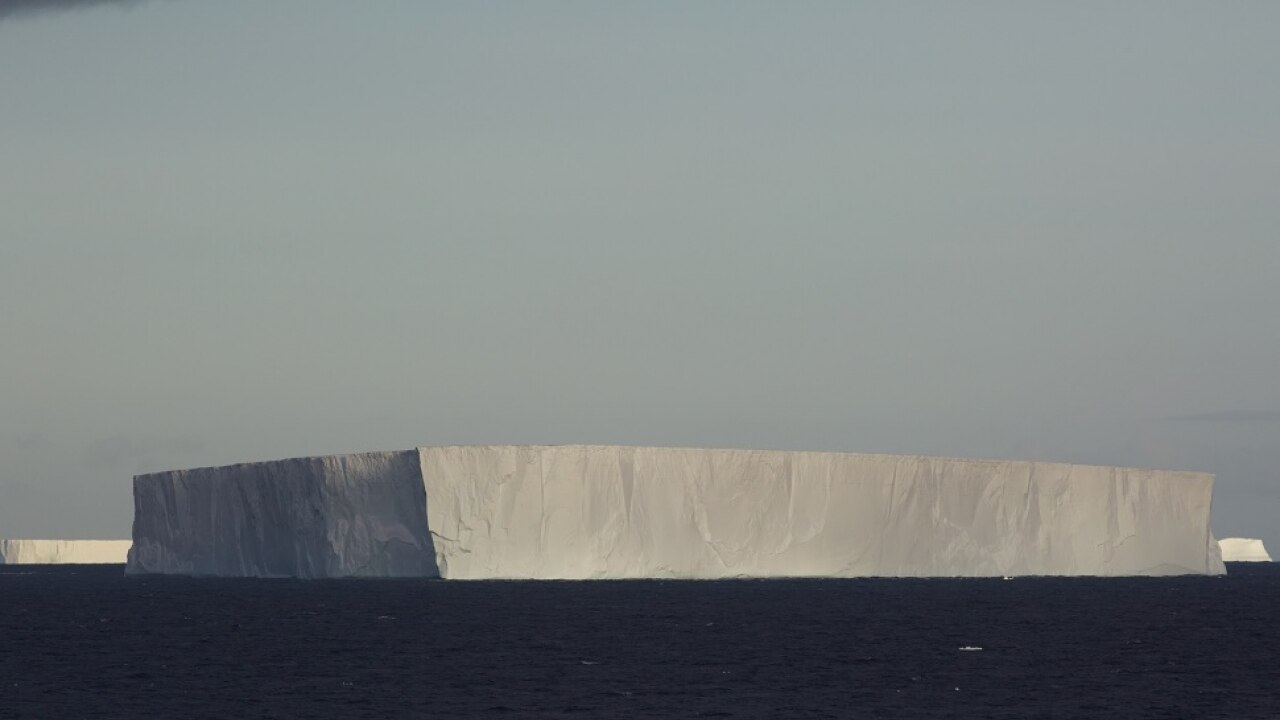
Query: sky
(235, 231)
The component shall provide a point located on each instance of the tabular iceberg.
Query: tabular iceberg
(335, 516)
(56, 552)
(1243, 550)
(576, 512)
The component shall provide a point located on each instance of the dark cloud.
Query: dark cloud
(1230, 416)
(18, 8)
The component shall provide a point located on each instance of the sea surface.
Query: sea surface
(86, 642)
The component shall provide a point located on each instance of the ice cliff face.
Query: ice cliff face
(54, 552)
(635, 512)
(335, 516)
(1243, 550)
(623, 512)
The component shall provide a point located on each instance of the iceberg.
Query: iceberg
(57, 552)
(583, 512)
(1243, 550)
(337, 516)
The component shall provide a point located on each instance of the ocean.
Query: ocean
(86, 642)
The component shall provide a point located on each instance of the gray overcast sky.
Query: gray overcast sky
(241, 230)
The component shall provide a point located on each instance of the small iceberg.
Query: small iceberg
(1243, 550)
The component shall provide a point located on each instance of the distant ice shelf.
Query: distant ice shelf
(582, 511)
(51, 552)
(1243, 550)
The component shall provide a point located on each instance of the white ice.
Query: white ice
(1243, 550)
(49, 552)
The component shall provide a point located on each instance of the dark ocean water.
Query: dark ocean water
(85, 642)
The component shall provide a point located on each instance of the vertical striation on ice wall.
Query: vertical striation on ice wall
(572, 512)
(632, 512)
(334, 516)
(59, 552)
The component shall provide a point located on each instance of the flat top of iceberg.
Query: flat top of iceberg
(65, 540)
(676, 448)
